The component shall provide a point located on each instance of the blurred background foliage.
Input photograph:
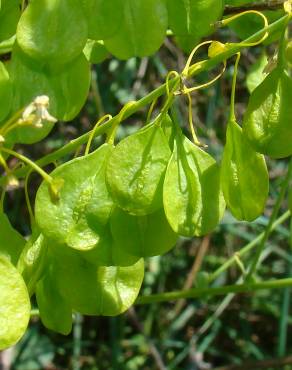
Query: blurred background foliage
(198, 334)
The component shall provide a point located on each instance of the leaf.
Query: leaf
(71, 88)
(5, 92)
(80, 215)
(9, 15)
(109, 253)
(14, 305)
(55, 312)
(104, 17)
(267, 121)
(187, 43)
(136, 169)
(256, 73)
(11, 242)
(168, 130)
(32, 260)
(244, 176)
(194, 17)
(52, 31)
(192, 198)
(95, 52)
(142, 236)
(93, 290)
(142, 31)
(288, 52)
(66, 89)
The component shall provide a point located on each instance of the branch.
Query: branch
(248, 247)
(210, 292)
(260, 6)
(194, 70)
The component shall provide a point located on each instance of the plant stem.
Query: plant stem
(30, 163)
(155, 94)
(258, 5)
(199, 292)
(248, 247)
(268, 230)
(233, 90)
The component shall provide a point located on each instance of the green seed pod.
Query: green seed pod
(244, 176)
(9, 15)
(14, 304)
(32, 260)
(194, 17)
(192, 198)
(80, 216)
(146, 23)
(96, 290)
(55, 311)
(52, 31)
(288, 52)
(267, 121)
(136, 169)
(142, 236)
(67, 91)
(5, 92)
(256, 73)
(11, 242)
(104, 17)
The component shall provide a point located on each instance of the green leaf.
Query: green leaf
(52, 31)
(14, 304)
(70, 87)
(108, 253)
(193, 201)
(194, 17)
(95, 51)
(80, 215)
(142, 236)
(256, 74)
(136, 169)
(93, 290)
(244, 176)
(11, 242)
(288, 52)
(55, 312)
(5, 92)
(9, 16)
(67, 90)
(142, 31)
(104, 17)
(187, 43)
(267, 121)
(32, 260)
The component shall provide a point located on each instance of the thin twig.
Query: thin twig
(203, 248)
(152, 348)
(210, 292)
(260, 6)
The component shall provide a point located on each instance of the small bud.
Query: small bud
(37, 112)
(55, 188)
(2, 140)
(12, 182)
(216, 48)
(288, 6)
(272, 64)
